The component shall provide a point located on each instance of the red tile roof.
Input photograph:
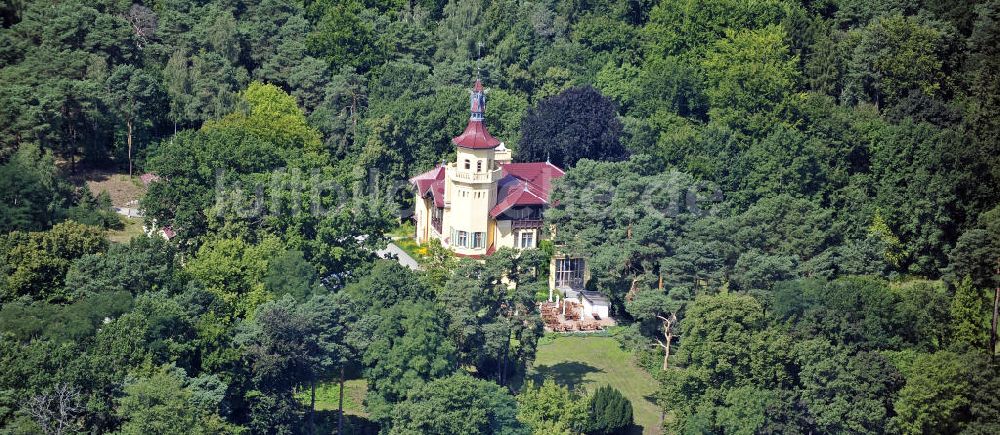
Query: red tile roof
(539, 174)
(437, 190)
(431, 182)
(524, 184)
(475, 136)
(425, 180)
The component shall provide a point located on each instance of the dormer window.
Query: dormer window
(467, 164)
(479, 166)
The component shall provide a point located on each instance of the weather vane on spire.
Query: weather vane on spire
(479, 57)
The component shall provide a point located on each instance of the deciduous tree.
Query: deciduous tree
(578, 123)
(457, 404)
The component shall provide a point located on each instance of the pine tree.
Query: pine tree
(970, 316)
(609, 411)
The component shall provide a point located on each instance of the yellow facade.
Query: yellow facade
(470, 192)
(453, 202)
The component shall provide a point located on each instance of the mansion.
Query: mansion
(483, 201)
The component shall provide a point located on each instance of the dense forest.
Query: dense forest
(793, 207)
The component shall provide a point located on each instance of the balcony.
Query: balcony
(436, 224)
(521, 224)
(470, 176)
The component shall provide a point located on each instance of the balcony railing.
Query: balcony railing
(436, 223)
(518, 224)
(475, 176)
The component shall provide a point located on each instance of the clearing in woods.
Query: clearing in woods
(124, 191)
(589, 362)
(328, 396)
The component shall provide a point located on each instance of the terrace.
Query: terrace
(568, 316)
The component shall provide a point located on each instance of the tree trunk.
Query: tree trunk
(499, 367)
(354, 115)
(128, 123)
(668, 336)
(996, 313)
(72, 149)
(506, 362)
(666, 351)
(506, 347)
(632, 289)
(312, 407)
(340, 407)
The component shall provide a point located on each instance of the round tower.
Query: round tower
(472, 181)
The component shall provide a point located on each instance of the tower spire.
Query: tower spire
(479, 57)
(477, 101)
(475, 135)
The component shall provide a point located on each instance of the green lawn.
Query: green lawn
(404, 230)
(408, 245)
(402, 236)
(355, 418)
(589, 362)
(328, 394)
(133, 228)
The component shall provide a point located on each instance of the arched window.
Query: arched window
(479, 166)
(467, 164)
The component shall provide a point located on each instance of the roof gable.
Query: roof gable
(525, 184)
(424, 181)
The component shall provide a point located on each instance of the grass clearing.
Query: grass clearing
(589, 362)
(328, 395)
(133, 228)
(405, 230)
(122, 188)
